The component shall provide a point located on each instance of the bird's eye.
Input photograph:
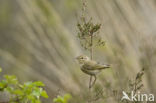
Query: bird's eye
(81, 58)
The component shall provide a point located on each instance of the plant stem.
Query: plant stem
(90, 82)
(91, 56)
(91, 44)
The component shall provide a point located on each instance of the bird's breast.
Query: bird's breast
(90, 72)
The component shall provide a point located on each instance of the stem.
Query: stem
(91, 56)
(94, 80)
(91, 44)
(90, 82)
(135, 87)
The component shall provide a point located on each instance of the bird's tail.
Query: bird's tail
(105, 66)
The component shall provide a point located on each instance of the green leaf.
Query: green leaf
(10, 89)
(59, 99)
(37, 101)
(30, 97)
(36, 93)
(3, 84)
(28, 84)
(38, 83)
(67, 97)
(44, 94)
(11, 79)
(18, 92)
(63, 99)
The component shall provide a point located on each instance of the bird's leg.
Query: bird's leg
(94, 80)
(90, 82)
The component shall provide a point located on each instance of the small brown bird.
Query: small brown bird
(90, 67)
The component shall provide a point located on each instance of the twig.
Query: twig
(90, 82)
(91, 56)
(91, 44)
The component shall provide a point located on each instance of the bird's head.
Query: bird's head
(82, 58)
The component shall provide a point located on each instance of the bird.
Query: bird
(90, 67)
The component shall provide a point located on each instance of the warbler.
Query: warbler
(89, 66)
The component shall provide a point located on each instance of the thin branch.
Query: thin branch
(91, 44)
(90, 82)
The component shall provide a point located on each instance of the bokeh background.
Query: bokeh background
(38, 42)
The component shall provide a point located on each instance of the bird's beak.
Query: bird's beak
(75, 59)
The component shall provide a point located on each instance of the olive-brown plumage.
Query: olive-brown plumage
(90, 67)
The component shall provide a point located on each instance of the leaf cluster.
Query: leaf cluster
(137, 84)
(87, 30)
(62, 99)
(29, 92)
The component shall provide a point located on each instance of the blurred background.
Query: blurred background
(38, 42)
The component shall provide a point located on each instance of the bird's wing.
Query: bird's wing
(89, 65)
(92, 65)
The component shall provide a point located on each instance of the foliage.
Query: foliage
(61, 99)
(29, 92)
(137, 84)
(133, 85)
(88, 29)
